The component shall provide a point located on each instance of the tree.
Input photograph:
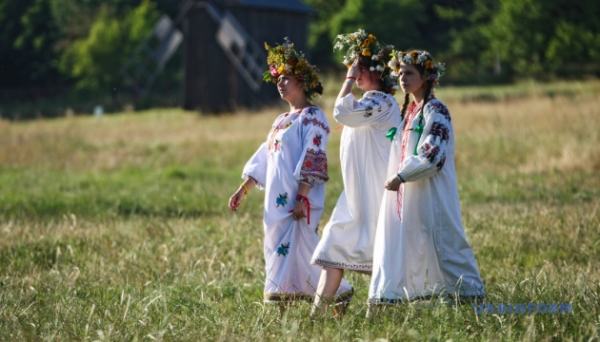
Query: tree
(96, 60)
(27, 35)
(469, 54)
(537, 38)
(394, 22)
(319, 39)
(403, 23)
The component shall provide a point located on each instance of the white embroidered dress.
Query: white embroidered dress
(348, 237)
(295, 151)
(420, 245)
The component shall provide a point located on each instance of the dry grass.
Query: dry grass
(529, 135)
(532, 135)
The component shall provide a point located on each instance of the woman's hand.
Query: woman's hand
(354, 70)
(351, 76)
(299, 210)
(236, 199)
(393, 183)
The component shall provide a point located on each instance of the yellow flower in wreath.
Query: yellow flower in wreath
(366, 52)
(413, 55)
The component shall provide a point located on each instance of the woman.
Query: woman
(420, 246)
(291, 166)
(347, 241)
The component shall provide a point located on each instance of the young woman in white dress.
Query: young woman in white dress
(348, 237)
(291, 166)
(420, 245)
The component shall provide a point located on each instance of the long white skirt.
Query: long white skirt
(288, 247)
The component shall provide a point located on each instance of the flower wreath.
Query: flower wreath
(433, 72)
(360, 43)
(284, 59)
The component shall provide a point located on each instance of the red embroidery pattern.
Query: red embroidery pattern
(412, 114)
(430, 152)
(440, 108)
(315, 164)
(441, 163)
(317, 140)
(315, 122)
(276, 144)
(440, 130)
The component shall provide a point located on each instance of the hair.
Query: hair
(318, 89)
(368, 62)
(428, 90)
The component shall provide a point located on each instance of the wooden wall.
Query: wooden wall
(211, 82)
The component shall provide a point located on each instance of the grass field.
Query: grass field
(117, 228)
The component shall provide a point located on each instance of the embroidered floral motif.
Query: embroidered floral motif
(440, 108)
(441, 163)
(343, 265)
(311, 110)
(378, 97)
(317, 140)
(315, 122)
(277, 145)
(284, 249)
(288, 125)
(430, 152)
(287, 297)
(440, 130)
(315, 165)
(275, 131)
(376, 103)
(282, 200)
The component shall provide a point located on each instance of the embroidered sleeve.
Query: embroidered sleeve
(432, 146)
(372, 109)
(256, 167)
(312, 166)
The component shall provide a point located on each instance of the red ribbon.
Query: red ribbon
(305, 199)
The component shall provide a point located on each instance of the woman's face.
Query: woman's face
(367, 80)
(289, 87)
(410, 79)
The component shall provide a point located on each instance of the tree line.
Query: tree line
(83, 44)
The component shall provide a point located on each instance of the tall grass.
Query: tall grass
(116, 228)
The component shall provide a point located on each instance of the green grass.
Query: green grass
(117, 228)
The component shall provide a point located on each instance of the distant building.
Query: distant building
(224, 54)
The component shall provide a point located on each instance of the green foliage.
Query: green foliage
(391, 21)
(482, 40)
(579, 55)
(95, 61)
(47, 45)
(319, 40)
(534, 37)
(469, 55)
(27, 36)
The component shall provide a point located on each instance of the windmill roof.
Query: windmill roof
(290, 5)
